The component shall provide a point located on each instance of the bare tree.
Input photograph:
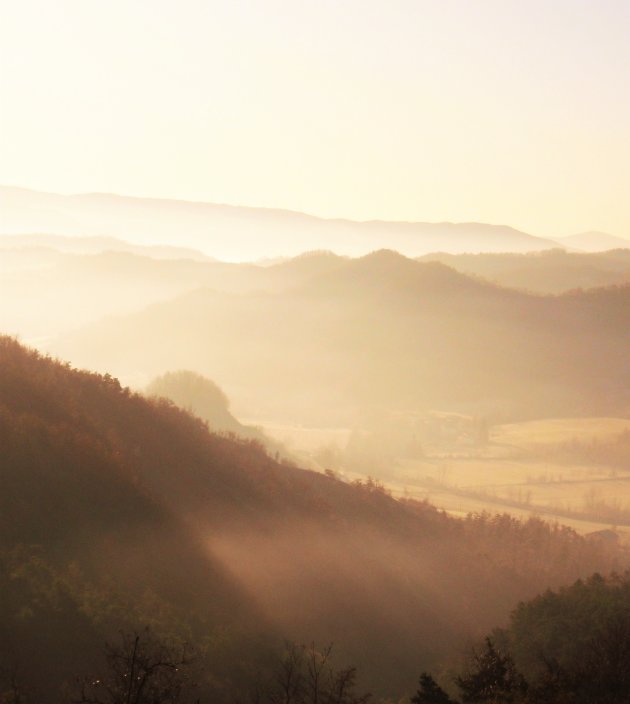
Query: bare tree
(140, 669)
(305, 675)
(289, 681)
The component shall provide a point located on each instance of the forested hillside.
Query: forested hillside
(118, 510)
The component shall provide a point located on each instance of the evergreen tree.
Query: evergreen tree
(493, 677)
(430, 692)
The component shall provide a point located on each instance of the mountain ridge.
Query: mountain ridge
(594, 241)
(242, 233)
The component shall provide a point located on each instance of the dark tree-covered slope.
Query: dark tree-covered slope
(117, 509)
(566, 646)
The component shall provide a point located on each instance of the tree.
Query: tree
(430, 692)
(305, 676)
(492, 677)
(140, 669)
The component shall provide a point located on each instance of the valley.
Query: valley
(314, 352)
(525, 469)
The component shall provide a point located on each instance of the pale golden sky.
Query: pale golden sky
(500, 111)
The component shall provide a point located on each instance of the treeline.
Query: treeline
(566, 647)
(612, 451)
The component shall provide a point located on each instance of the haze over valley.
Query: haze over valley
(304, 349)
(314, 352)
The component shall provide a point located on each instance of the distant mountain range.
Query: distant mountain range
(242, 233)
(96, 244)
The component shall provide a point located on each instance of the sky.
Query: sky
(498, 111)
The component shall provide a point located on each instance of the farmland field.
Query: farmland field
(520, 468)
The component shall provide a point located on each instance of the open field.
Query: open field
(520, 468)
(544, 433)
(585, 498)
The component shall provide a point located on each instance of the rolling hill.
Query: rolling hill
(203, 398)
(552, 271)
(82, 288)
(382, 331)
(82, 280)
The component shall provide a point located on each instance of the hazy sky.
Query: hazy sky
(505, 111)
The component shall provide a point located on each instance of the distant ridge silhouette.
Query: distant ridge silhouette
(244, 233)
